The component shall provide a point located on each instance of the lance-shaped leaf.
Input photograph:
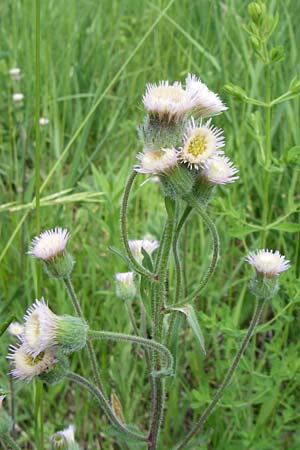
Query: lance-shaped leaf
(191, 317)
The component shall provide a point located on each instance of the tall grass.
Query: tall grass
(95, 59)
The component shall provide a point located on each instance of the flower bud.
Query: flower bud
(125, 287)
(264, 288)
(50, 247)
(255, 11)
(44, 329)
(6, 423)
(178, 182)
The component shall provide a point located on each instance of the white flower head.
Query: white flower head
(169, 102)
(18, 97)
(157, 161)
(200, 143)
(49, 244)
(125, 287)
(69, 433)
(61, 439)
(16, 329)
(220, 170)
(136, 247)
(268, 262)
(43, 121)
(43, 329)
(206, 102)
(26, 366)
(15, 73)
(149, 245)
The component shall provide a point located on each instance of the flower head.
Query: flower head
(15, 73)
(201, 142)
(26, 366)
(65, 439)
(16, 329)
(157, 161)
(49, 244)
(268, 263)
(125, 287)
(43, 121)
(169, 102)
(18, 97)
(220, 170)
(44, 329)
(149, 245)
(206, 102)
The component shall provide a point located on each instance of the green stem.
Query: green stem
(213, 264)
(83, 382)
(91, 352)
(136, 266)
(11, 442)
(131, 316)
(255, 320)
(159, 293)
(148, 343)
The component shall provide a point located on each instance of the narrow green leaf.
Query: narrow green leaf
(5, 325)
(119, 253)
(191, 317)
(288, 227)
(243, 230)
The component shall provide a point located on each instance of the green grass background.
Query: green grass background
(84, 45)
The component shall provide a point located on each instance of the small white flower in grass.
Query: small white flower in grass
(268, 263)
(169, 102)
(206, 103)
(125, 287)
(18, 97)
(220, 170)
(16, 329)
(49, 244)
(26, 366)
(43, 329)
(157, 161)
(15, 73)
(65, 439)
(200, 143)
(136, 248)
(43, 121)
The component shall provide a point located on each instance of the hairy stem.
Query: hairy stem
(136, 266)
(159, 293)
(216, 250)
(199, 424)
(91, 352)
(81, 381)
(148, 343)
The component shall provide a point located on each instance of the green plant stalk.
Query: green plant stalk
(268, 155)
(76, 305)
(159, 293)
(216, 251)
(131, 316)
(11, 442)
(135, 265)
(38, 388)
(148, 343)
(83, 382)
(208, 410)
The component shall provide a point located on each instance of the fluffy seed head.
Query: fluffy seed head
(201, 142)
(15, 73)
(268, 263)
(16, 329)
(26, 366)
(220, 170)
(49, 244)
(206, 102)
(157, 161)
(18, 97)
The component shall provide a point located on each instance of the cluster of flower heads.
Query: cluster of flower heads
(199, 145)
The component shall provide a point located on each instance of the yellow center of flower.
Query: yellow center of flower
(30, 361)
(173, 94)
(197, 145)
